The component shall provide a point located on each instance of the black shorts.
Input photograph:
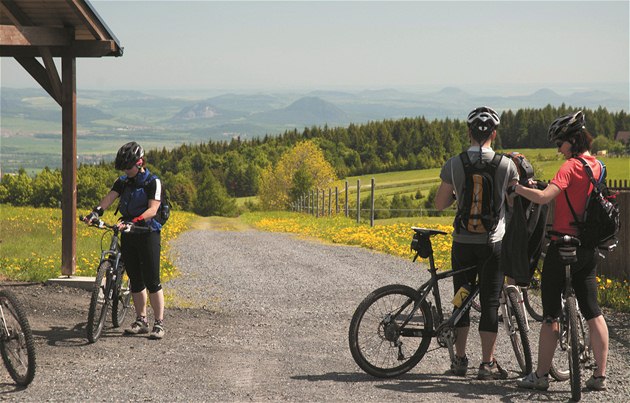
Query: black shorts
(583, 275)
(141, 254)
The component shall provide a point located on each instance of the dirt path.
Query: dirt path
(268, 321)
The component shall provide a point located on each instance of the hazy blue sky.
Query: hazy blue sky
(345, 45)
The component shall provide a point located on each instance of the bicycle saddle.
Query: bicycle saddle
(427, 231)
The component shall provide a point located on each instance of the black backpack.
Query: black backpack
(600, 224)
(478, 213)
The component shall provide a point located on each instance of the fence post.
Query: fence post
(358, 201)
(336, 200)
(372, 204)
(316, 203)
(323, 202)
(329, 202)
(346, 201)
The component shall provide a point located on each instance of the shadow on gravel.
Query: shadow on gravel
(59, 336)
(453, 387)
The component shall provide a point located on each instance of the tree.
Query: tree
(301, 166)
(47, 189)
(212, 198)
(19, 188)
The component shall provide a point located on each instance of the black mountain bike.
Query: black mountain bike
(16, 340)
(392, 327)
(111, 286)
(574, 336)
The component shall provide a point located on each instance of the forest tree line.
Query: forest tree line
(205, 177)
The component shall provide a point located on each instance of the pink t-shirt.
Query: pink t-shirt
(573, 177)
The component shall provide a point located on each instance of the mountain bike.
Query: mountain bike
(16, 339)
(111, 286)
(391, 329)
(574, 337)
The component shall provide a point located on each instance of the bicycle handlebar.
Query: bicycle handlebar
(130, 227)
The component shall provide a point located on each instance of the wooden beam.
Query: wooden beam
(39, 73)
(77, 49)
(53, 75)
(15, 14)
(91, 21)
(69, 167)
(11, 35)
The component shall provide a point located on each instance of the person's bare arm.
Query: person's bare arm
(444, 196)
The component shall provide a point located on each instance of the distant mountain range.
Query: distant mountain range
(106, 117)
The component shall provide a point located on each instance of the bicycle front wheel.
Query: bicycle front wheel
(574, 349)
(121, 300)
(518, 332)
(99, 303)
(389, 333)
(16, 345)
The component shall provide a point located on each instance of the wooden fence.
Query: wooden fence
(319, 202)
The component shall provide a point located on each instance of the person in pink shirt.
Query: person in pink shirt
(573, 141)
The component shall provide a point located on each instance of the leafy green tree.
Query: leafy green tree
(47, 189)
(19, 188)
(212, 198)
(278, 185)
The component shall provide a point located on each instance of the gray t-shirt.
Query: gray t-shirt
(453, 174)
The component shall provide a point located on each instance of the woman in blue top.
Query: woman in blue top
(140, 196)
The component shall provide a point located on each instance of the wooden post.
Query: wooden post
(346, 199)
(323, 202)
(372, 205)
(69, 166)
(329, 202)
(316, 203)
(310, 204)
(358, 201)
(336, 200)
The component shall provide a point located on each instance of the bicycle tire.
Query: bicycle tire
(99, 303)
(17, 347)
(533, 299)
(121, 299)
(383, 331)
(519, 336)
(574, 349)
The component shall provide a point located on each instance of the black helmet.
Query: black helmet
(563, 127)
(482, 121)
(128, 155)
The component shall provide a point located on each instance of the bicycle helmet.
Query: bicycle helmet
(564, 126)
(128, 155)
(482, 121)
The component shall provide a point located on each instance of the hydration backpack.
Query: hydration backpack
(478, 213)
(600, 223)
(164, 211)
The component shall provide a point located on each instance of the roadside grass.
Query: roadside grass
(30, 243)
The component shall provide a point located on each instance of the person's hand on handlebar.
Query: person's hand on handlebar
(94, 215)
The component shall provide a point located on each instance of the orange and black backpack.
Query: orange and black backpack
(478, 213)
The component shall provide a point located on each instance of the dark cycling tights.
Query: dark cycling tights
(584, 282)
(141, 254)
(486, 257)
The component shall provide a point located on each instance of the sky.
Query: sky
(244, 46)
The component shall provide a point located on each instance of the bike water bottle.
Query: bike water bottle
(461, 295)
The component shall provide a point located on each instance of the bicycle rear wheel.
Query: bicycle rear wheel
(518, 332)
(16, 346)
(379, 342)
(99, 302)
(533, 299)
(574, 349)
(121, 299)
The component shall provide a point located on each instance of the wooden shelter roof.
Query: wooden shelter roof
(35, 28)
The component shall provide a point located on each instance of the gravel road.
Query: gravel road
(261, 316)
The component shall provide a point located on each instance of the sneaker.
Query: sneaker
(491, 370)
(459, 365)
(157, 332)
(596, 383)
(533, 381)
(140, 326)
